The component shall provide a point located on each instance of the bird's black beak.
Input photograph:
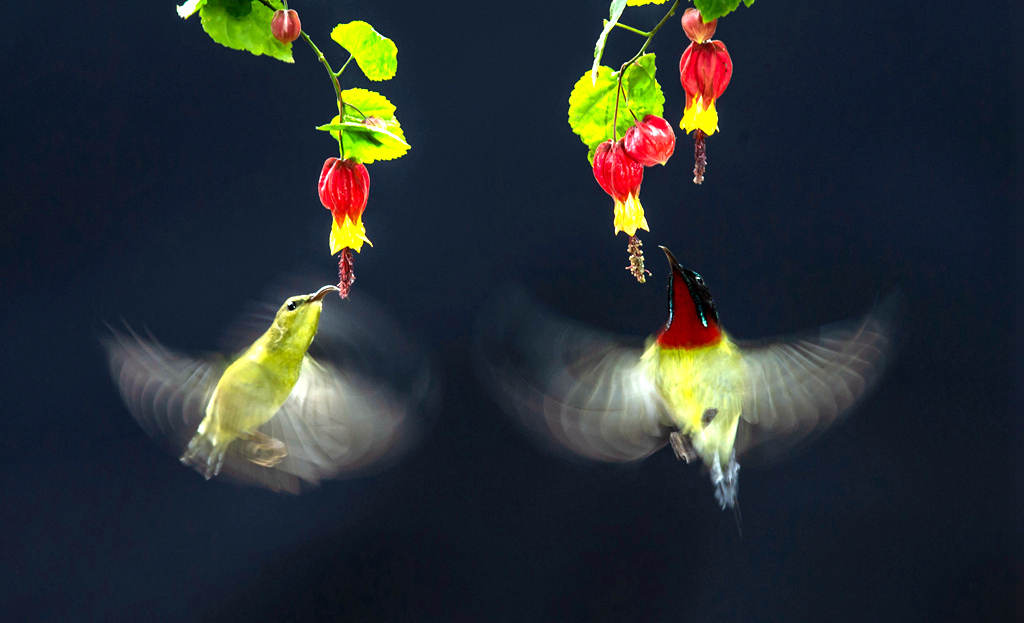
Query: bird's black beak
(322, 292)
(671, 259)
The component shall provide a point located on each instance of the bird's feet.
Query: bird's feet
(206, 457)
(263, 449)
(682, 447)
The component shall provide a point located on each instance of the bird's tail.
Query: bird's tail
(726, 480)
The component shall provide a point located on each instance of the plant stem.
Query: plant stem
(643, 48)
(631, 29)
(339, 72)
(650, 36)
(320, 56)
(330, 72)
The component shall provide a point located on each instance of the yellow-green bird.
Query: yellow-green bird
(274, 416)
(691, 386)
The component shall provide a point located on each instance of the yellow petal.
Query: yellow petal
(629, 216)
(349, 234)
(697, 116)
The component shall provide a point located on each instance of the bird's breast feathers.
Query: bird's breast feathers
(702, 387)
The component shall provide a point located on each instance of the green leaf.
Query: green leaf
(592, 104)
(614, 13)
(713, 9)
(244, 25)
(376, 55)
(367, 143)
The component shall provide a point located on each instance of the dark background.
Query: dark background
(152, 175)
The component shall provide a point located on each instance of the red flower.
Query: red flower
(620, 176)
(704, 71)
(650, 141)
(285, 25)
(344, 189)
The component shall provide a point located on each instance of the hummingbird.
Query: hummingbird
(692, 386)
(273, 415)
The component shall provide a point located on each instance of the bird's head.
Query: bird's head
(299, 317)
(692, 317)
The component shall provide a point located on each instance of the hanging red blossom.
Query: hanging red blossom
(620, 176)
(650, 141)
(344, 189)
(704, 71)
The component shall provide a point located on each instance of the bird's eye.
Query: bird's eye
(698, 278)
(291, 306)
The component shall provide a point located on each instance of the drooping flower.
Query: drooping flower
(344, 189)
(704, 71)
(620, 176)
(650, 141)
(285, 25)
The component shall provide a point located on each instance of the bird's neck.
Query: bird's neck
(686, 328)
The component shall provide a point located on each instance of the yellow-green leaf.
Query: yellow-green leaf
(592, 103)
(376, 55)
(367, 142)
(643, 2)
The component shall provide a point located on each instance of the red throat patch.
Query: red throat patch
(685, 327)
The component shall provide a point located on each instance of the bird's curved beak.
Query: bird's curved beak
(322, 292)
(672, 262)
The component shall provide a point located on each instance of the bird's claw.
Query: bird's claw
(263, 449)
(682, 447)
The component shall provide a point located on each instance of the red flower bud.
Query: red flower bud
(650, 141)
(375, 122)
(285, 25)
(344, 188)
(619, 175)
(695, 28)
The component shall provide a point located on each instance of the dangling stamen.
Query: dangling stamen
(636, 260)
(346, 272)
(700, 157)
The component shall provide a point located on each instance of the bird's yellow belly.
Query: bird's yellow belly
(246, 397)
(703, 392)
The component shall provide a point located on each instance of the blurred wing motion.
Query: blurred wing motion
(582, 389)
(797, 387)
(347, 414)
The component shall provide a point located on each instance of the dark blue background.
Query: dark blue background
(152, 175)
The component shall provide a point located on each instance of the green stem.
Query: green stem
(631, 29)
(330, 72)
(650, 36)
(344, 66)
(320, 56)
(643, 48)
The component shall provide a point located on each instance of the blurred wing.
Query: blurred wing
(166, 392)
(337, 424)
(570, 384)
(800, 386)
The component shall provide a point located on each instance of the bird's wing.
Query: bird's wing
(570, 384)
(166, 392)
(799, 386)
(337, 424)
